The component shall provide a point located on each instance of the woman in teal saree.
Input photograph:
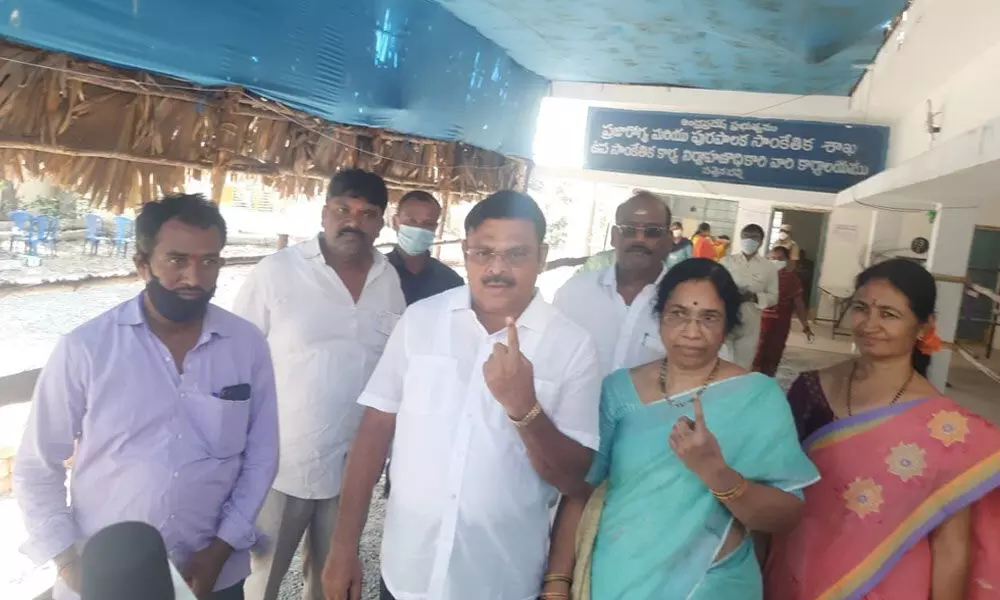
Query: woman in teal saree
(695, 453)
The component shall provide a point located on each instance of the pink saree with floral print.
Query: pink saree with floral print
(889, 478)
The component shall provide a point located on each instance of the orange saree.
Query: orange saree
(889, 478)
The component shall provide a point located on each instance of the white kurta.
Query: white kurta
(468, 517)
(760, 276)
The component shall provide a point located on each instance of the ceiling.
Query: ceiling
(471, 70)
(780, 46)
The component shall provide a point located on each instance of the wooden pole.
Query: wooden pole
(445, 161)
(589, 240)
(445, 213)
(225, 143)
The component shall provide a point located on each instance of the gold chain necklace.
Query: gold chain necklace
(697, 394)
(850, 388)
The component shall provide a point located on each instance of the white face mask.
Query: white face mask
(749, 246)
(678, 234)
(779, 263)
(783, 236)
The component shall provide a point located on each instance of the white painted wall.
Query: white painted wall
(946, 51)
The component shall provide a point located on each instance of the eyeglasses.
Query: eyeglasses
(648, 231)
(514, 257)
(681, 318)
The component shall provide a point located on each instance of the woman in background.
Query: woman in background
(776, 321)
(695, 452)
(908, 505)
(703, 246)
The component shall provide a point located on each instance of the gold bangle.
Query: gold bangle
(528, 418)
(554, 596)
(733, 493)
(557, 578)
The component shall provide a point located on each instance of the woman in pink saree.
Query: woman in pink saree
(908, 507)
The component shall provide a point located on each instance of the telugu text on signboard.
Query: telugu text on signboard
(825, 157)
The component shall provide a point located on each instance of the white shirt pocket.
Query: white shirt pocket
(429, 385)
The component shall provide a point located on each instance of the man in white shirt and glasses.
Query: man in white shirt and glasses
(757, 279)
(492, 395)
(615, 304)
(327, 307)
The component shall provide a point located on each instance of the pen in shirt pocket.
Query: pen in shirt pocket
(234, 393)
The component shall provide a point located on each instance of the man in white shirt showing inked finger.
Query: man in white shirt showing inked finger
(492, 396)
(327, 307)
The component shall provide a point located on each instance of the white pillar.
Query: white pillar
(884, 234)
(951, 242)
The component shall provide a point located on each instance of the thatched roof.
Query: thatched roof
(123, 137)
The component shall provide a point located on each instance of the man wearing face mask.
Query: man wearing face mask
(171, 401)
(757, 279)
(327, 307)
(416, 222)
(785, 241)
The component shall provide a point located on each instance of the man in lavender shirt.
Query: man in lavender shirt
(171, 401)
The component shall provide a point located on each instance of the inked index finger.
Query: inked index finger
(699, 412)
(513, 344)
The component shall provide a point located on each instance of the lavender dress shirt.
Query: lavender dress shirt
(155, 445)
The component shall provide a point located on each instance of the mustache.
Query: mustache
(350, 230)
(638, 248)
(498, 280)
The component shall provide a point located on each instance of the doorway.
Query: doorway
(984, 269)
(809, 232)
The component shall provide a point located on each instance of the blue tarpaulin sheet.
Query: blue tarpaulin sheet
(404, 65)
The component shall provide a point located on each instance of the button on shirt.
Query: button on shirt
(325, 346)
(626, 335)
(155, 445)
(468, 516)
(434, 278)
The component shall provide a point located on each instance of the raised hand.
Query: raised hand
(695, 445)
(510, 376)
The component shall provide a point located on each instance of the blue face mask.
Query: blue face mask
(414, 240)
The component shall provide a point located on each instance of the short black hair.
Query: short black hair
(702, 269)
(418, 195)
(676, 224)
(358, 183)
(192, 209)
(704, 227)
(913, 281)
(724, 237)
(754, 228)
(781, 250)
(507, 204)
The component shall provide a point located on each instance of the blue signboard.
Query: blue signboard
(802, 155)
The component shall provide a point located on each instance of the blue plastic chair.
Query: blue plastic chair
(124, 235)
(94, 235)
(21, 232)
(45, 232)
